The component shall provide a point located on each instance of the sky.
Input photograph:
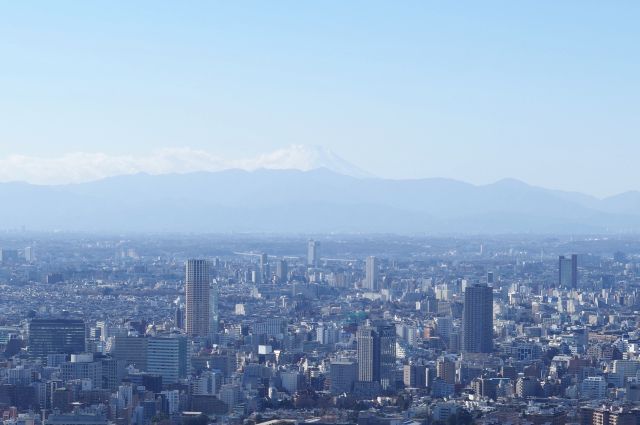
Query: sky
(543, 91)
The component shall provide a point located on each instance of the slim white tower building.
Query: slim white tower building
(313, 253)
(371, 281)
(214, 314)
(197, 298)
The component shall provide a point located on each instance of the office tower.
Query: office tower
(231, 395)
(371, 281)
(214, 312)
(282, 271)
(477, 319)
(265, 270)
(368, 354)
(256, 276)
(197, 298)
(113, 371)
(328, 333)
(414, 376)
(170, 401)
(208, 383)
(313, 253)
(29, 254)
(387, 356)
(82, 366)
(431, 303)
(343, 376)
(150, 381)
(490, 278)
(444, 328)
(179, 316)
(292, 381)
(55, 336)
(132, 350)
(446, 370)
(377, 354)
(168, 357)
(594, 387)
(568, 271)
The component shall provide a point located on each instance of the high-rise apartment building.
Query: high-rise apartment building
(197, 298)
(477, 319)
(313, 253)
(371, 281)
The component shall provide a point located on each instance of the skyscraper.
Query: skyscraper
(477, 319)
(282, 271)
(377, 354)
(313, 253)
(387, 334)
(371, 281)
(265, 269)
(197, 298)
(368, 354)
(568, 271)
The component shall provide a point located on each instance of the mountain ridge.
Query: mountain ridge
(318, 200)
(82, 167)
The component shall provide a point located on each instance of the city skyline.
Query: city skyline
(330, 213)
(530, 327)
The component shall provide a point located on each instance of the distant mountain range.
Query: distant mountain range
(82, 167)
(314, 201)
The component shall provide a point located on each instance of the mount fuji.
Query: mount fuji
(82, 167)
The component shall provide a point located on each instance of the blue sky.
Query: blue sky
(545, 91)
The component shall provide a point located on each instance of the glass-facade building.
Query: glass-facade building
(56, 336)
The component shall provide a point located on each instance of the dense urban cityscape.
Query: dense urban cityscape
(327, 329)
(319, 212)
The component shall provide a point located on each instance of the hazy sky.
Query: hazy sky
(544, 91)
